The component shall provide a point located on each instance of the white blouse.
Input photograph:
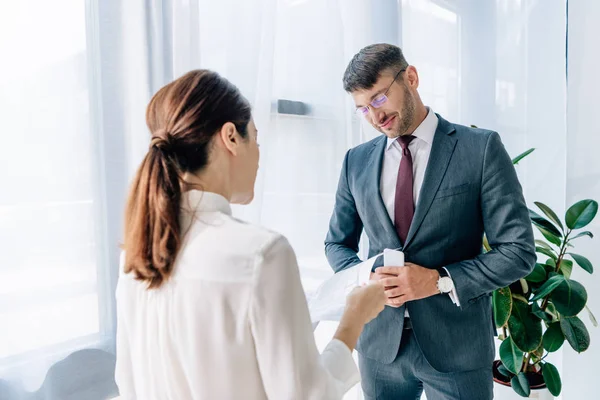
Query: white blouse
(231, 323)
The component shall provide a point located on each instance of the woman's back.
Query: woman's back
(230, 323)
(209, 307)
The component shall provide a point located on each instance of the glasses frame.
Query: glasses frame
(379, 100)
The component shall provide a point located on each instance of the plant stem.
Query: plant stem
(561, 254)
(526, 364)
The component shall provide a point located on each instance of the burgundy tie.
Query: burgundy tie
(404, 206)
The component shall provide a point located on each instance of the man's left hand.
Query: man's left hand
(410, 282)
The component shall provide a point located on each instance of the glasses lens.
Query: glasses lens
(362, 111)
(379, 101)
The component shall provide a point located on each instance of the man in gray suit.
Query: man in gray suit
(430, 188)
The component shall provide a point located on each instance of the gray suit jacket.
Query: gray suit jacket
(470, 187)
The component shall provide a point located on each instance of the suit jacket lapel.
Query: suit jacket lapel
(374, 201)
(439, 158)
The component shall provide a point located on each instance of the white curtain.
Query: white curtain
(499, 65)
(583, 178)
(80, 73)
(265, 48)
(56, 330)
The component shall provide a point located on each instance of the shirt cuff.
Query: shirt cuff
(338, 361)
(453, 295)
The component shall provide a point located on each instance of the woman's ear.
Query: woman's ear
(230, 137)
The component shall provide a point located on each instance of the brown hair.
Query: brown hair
(367, 65)
(183, 117)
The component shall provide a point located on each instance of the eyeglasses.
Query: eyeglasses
(379, 100)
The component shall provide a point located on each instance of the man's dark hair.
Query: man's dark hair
(366, 65)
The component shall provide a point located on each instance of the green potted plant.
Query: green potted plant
(539, 312)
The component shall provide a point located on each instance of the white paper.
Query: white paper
(327, 303)
(393, 258)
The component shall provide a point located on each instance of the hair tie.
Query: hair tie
(162, 141)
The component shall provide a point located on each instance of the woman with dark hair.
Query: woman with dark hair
(210, 307)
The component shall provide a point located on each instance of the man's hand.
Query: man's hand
(410, 282)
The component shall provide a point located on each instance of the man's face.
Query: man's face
(390, 104)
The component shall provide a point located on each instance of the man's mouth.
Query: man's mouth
(388, 122)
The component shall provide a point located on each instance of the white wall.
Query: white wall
(580, 371)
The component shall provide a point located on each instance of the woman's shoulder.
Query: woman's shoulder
(228, 236)
(257, 238)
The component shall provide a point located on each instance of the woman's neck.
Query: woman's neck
(208, 180)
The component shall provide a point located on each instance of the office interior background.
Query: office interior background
(76, 76)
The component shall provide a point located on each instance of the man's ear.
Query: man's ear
(411, 77)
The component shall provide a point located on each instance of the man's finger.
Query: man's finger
(388, 270)
(378, 276)
(391, 281)
(397, 302)
(393, 293)
(390, 304)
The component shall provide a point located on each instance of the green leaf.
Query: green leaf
(553, 338)
(537, 311)
(486, 244)
(581, 213)
(592, 317)
(502, 369)
(520, 298)
(546, 252)
(520, 384)
(502, 301)
(542, 222)
(585, 233)
(552, 238)
(521, 156)
(582, 262)
(548, 287)
(576, 333)
(551, 310)
(538, 274)
(550, 266)
(525, 287)
(549, 213)
(524, 327)
(569, 298)
(552, 379)
(511, 356)
(566, 268)
(543, 244)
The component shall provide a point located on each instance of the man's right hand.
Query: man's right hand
(377, 277)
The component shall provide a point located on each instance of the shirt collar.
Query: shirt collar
(197, 200)
(425, 131)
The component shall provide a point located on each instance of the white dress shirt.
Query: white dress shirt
(420, 149)
(231, 323)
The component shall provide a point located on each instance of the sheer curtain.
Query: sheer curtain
(499, 65)
(266, 49)
(80, 73)
(55, 314)
(583, 179)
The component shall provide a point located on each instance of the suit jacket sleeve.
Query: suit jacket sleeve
(507, 226)
(345, 226)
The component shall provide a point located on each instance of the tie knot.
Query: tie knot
(404, 141)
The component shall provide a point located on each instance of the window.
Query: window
(52, 274)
